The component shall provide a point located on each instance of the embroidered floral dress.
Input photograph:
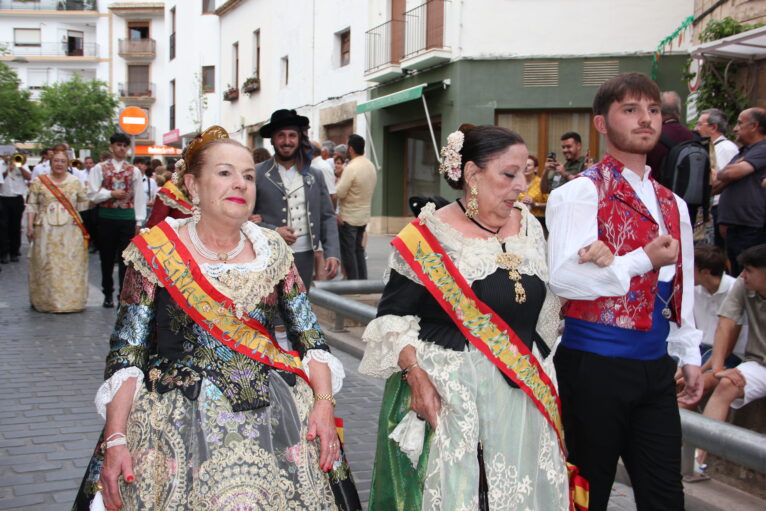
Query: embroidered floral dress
(58, 257)
(419, 468)
(210, 428)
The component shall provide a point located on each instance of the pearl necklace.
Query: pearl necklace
(209, 254)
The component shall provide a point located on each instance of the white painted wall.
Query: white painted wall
(197, 45)
(308, 37)
(491, 29)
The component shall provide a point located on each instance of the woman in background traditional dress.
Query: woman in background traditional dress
(58, 263)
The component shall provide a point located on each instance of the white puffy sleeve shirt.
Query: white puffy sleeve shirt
(571, 217)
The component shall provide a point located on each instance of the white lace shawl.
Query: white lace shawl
(264, 246)
(387, 335)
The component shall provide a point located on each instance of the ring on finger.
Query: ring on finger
(99, 486)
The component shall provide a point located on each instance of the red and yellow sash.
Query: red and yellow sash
(487, 331)
(172, 263)
(171, 195)
(56, 191)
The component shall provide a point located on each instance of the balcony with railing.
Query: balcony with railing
(49, 5)
(137, 49)
(424, 41)
(384, 50)
(137, 93)
(60, 49)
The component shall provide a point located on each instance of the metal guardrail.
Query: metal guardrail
(727, 441)
(60, 49)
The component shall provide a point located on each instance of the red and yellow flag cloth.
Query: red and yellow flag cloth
(177, 271)
(56, 191)
(171, 195)
(486, 331)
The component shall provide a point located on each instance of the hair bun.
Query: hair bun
(466, 127)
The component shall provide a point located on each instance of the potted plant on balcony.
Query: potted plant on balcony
(231, 93)
(251, 85)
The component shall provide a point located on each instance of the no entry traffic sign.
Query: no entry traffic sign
(133, 120)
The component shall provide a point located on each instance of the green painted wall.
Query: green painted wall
(477, 90)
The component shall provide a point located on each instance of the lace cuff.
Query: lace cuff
(109, 388)
(386, 337)
(336, 367)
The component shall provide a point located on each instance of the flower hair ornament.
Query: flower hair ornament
(209, 135)
(451, 158)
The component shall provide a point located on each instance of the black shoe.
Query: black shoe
(108, 303)
(15, 259)
(5, 259)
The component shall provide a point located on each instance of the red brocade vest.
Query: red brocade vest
(113, 180)
(624, 224)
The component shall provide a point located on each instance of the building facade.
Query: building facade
(48, 41)
(530, 66)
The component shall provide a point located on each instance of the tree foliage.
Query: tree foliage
(19, 115)
(81, 113)
(718, 89)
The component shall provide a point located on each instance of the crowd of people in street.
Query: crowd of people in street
(503, 315)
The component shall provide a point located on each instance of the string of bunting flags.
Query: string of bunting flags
(667, 43)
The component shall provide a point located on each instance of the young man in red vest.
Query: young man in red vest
(621, 252)
(116, 188)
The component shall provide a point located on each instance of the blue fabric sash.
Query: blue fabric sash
(611, 341)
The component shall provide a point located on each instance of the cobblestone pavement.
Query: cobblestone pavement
(51, 367)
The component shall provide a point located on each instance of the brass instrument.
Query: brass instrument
(19, 159)
(75, 164)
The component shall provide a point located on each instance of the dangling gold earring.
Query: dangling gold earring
(196, 213)
(472, 208)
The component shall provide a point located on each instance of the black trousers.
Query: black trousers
(12, 211)
(90, 219)
(617, 407)
(113, 237)
(352, 252)
(304, 261)
(738, 239)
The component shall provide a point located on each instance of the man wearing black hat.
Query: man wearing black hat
(292, 197)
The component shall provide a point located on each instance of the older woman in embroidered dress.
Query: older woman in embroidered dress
(58, 258)
(202, 410)
(456, 429)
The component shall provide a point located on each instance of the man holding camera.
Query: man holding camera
(557, 174)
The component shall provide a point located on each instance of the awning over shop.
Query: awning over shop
(750, 45)
(391, 99)
(396, 98)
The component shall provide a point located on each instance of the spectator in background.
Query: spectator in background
(556, 174)
(328, 173)
(534, 198)
(13, 193)
(342, 151)
(90, 216)
(104, 156)
(747, 382)
(260, 154)
(712, 123)
(673, 132)
(328, 149)
(156, 162)
(340, 164)
(354, 191)
(148, 182)
(742, 208)
(44, 167)
(711, 287)
(89, 163)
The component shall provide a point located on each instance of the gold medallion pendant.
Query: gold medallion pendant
(511, 263)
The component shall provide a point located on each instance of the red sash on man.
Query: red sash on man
(56, 191)
(486, 331)
(177, 271)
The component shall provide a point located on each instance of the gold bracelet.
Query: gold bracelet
(406, 370)
(325, 397)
